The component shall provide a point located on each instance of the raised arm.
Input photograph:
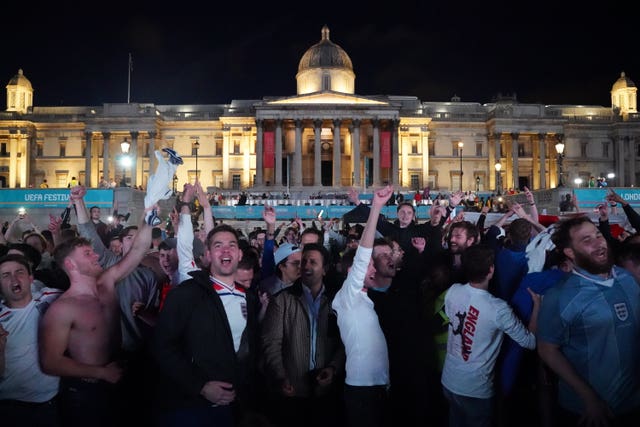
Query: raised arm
(203, 199)
(531, 201)
(184, 234)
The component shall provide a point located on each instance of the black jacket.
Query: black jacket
(192, 344)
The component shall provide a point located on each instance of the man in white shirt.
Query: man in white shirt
(27, 395)
(478, 322)
(367, 363)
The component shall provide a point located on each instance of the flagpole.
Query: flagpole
(129, 80)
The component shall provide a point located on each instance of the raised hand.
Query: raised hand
(381, 196)
(269, 215)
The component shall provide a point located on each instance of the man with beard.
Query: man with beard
(589, 332)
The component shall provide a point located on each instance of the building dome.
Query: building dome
(20, 80)
(325, 54)
(325, 66)
(19, 93)
(623, 82)
(624, 96)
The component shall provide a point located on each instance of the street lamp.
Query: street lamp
(578, 182)
(477, 184)
(498, 167)
(126, 161)
(610, 176)
(560, 151)
(460, 145)
(196, 145)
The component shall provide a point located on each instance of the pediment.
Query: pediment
(327, 98)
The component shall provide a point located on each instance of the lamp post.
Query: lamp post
(124, 146)
(477, 184)
(196, 145)
(498, 167)
(610, 176)
(460, 145)
(578, 182)
(560, 151)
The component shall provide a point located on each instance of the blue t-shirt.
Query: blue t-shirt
(596, 323)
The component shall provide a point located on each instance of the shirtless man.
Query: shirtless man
(80, 335)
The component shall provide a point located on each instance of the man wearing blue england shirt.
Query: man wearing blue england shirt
(589, 331)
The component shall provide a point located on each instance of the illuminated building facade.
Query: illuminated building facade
(324, 137)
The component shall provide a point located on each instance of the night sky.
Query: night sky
(205, 53)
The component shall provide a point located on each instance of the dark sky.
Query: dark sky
(190, 53)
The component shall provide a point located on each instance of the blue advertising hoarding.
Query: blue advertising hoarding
(34, 198)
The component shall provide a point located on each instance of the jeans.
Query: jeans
(468, 411)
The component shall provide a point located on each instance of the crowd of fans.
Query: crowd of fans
(353, 321)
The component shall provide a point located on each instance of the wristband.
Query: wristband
(532, 204)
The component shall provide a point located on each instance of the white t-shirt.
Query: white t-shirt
(23, 380)
(364, 342)
(478, 324)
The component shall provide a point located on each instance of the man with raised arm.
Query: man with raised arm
(80, 336)
(367, 362)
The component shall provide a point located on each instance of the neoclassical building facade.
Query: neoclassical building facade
(324, 138)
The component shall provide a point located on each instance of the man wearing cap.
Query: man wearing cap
(287, 269)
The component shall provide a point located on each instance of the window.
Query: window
(456, 150)
(39, 149)
(326, 82)
(3, 149)
(63, 149)
(521, 151)
(478, 149)
(236, 146)
(235, 182)
(218, 147)
(84, 148)
(415, 181)
(605, 150)
(432, 148)
(414, 146)
(583, 150)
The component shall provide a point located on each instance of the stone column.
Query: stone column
(376, 152)
(492, 160)
(542, 161)
(87, 160)
(395, 152)
(621, 160)
(259, 137)
(515, 173)
(297, 155)
(151, 153)
(226, 143)
(133, 153)
(317, 152)
(278, 153)
(424, 140)
(632, 162)
(355, 152)
(337, 154)
(105, 156)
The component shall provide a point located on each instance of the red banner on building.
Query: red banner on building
(385, 149)
(268, 144)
